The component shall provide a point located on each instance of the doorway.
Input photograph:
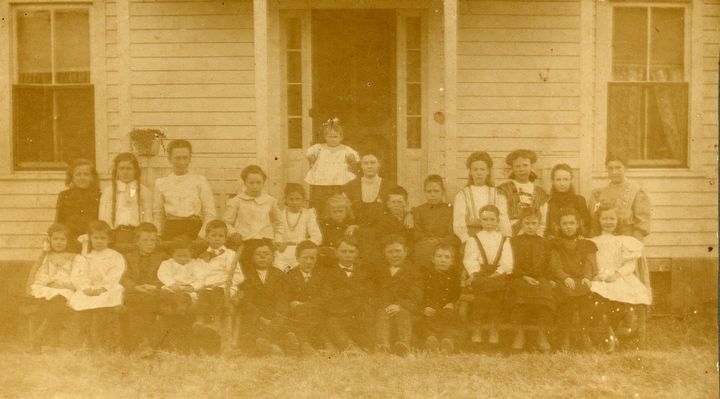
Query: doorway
(354, 79)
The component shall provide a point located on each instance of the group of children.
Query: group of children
(358, 271)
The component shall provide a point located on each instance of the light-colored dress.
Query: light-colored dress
(298, 227)
(620, 254)
(58, 275)
(103, 269)
(331, 166)
(466, 220)
(129, 209)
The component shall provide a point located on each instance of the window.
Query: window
(293, 50)
(413, 83)
(648, 91)
(53, 99)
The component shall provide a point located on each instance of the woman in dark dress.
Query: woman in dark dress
(366, 194)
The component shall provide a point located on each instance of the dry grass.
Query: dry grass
(681, 362)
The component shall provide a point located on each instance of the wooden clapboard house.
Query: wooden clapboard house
(425, 81)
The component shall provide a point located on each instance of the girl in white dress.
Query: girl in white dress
(331, 164)
(50, 285)
(621, 279)
(98, 289)
(478, 193)
(300, 224)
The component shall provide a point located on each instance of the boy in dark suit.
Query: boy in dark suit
(346, 291)
(264, 307)
(303, 294)
(141, 288)
(441, 325)
(392, 222)
(399, 293)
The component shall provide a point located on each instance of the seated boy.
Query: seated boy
(346, 291)
(392, 222)
(263, 308)
(399, 293)
(219, 275)
(441, 325)
(178, 293)
(141, 287)
(303, 288)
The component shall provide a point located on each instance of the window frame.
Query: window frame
(9, 63)
(604, 76)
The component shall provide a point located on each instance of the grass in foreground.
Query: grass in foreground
(681, 362)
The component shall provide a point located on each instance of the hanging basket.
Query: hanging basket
(147, 142)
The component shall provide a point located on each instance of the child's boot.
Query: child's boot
(565, 345)
(519, 340)
(432, 344)
(586, 341)
(447, 346)
(629, 323)
(476, 337)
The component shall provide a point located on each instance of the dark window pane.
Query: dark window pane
(33, 46)
(414, 99)
(33, 124)
(76, 123)
(294, 133)
(626, 120)
(294, 103)
(414, 66)
(667, 122)
(667, 44)
(72, 46)
(413, 33)
(629, 43)
(414, 132)
(294, 36)
(294, 67)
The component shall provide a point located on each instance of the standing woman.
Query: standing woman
(521, 191)
(125, 203)
(627, 197)
(78, 205)
(562, 195)
(366, 194)
(479, 192)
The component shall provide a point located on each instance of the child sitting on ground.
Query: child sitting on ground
(531, 298)
(441, 324)
(573, 264)
(392, 222)
(304, 282)
(488, 261)
(51, 286)
(400, 288)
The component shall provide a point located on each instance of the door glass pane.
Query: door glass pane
(33, 46)
(294, 133)
(414, 132)
(414, 66)
(294, 96)
(414, 106)
(413, 33)
(32, 123)
(629, 44)
(72, 46)
(294, 67)
(76, 123)
(294, 38)
(667, 44)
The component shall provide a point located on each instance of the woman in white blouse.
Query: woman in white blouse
(479, 192)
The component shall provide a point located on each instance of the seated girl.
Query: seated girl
(51, 286)
(300, 224)
(618, 280)
(98, 289)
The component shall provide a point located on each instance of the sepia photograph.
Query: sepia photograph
(359, 198)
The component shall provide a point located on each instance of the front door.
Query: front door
(353, 68)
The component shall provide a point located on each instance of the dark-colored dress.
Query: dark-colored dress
(76, 208)
(332, 232)
(531, 254)
(433, 225)
(560, 201)
(574, 258)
